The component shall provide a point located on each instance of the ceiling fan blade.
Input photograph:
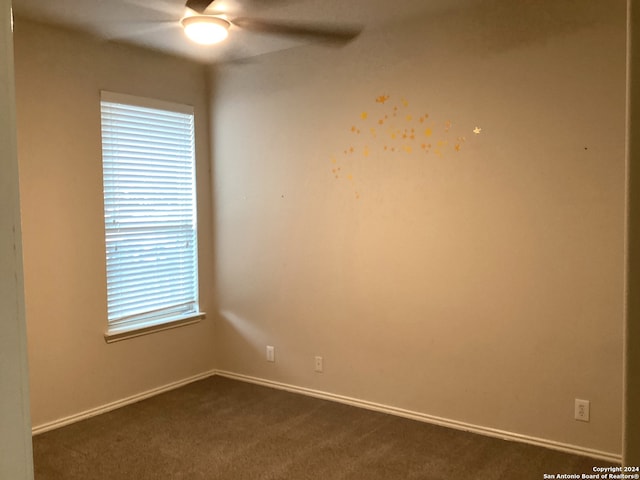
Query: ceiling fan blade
(199, 5)
(314, 32)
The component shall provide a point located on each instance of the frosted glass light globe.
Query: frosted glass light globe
(205, 29)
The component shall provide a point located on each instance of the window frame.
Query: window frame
(122, 330)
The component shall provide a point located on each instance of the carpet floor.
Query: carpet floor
(224, 429)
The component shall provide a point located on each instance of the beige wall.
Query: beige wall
(631, 446)
(59, 76)
(483, 286)
(15, 433)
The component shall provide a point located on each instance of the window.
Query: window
(149, 214)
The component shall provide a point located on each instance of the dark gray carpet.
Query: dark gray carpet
(223, 429)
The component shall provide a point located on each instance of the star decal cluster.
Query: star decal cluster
(391, 128)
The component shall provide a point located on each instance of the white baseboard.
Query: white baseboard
(45, 427)
(422, 417)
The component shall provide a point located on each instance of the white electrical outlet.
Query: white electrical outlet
(319, 365)
(271, 354)
(582, 410)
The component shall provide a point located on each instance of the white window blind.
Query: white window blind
(149, 212)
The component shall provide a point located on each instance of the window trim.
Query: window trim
(123, 333)
(106, 96)
(116, 333)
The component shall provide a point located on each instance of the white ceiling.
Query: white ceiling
(155, 23)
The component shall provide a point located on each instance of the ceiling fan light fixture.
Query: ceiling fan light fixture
(205, 29)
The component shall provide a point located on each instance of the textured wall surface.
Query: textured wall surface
(632, 353)
(59, 76)
(436, 209)
(15, 434)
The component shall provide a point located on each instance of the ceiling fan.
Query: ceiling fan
(209, 29)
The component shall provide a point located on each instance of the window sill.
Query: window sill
(118, 334)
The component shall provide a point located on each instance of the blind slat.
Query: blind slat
(150, 213)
